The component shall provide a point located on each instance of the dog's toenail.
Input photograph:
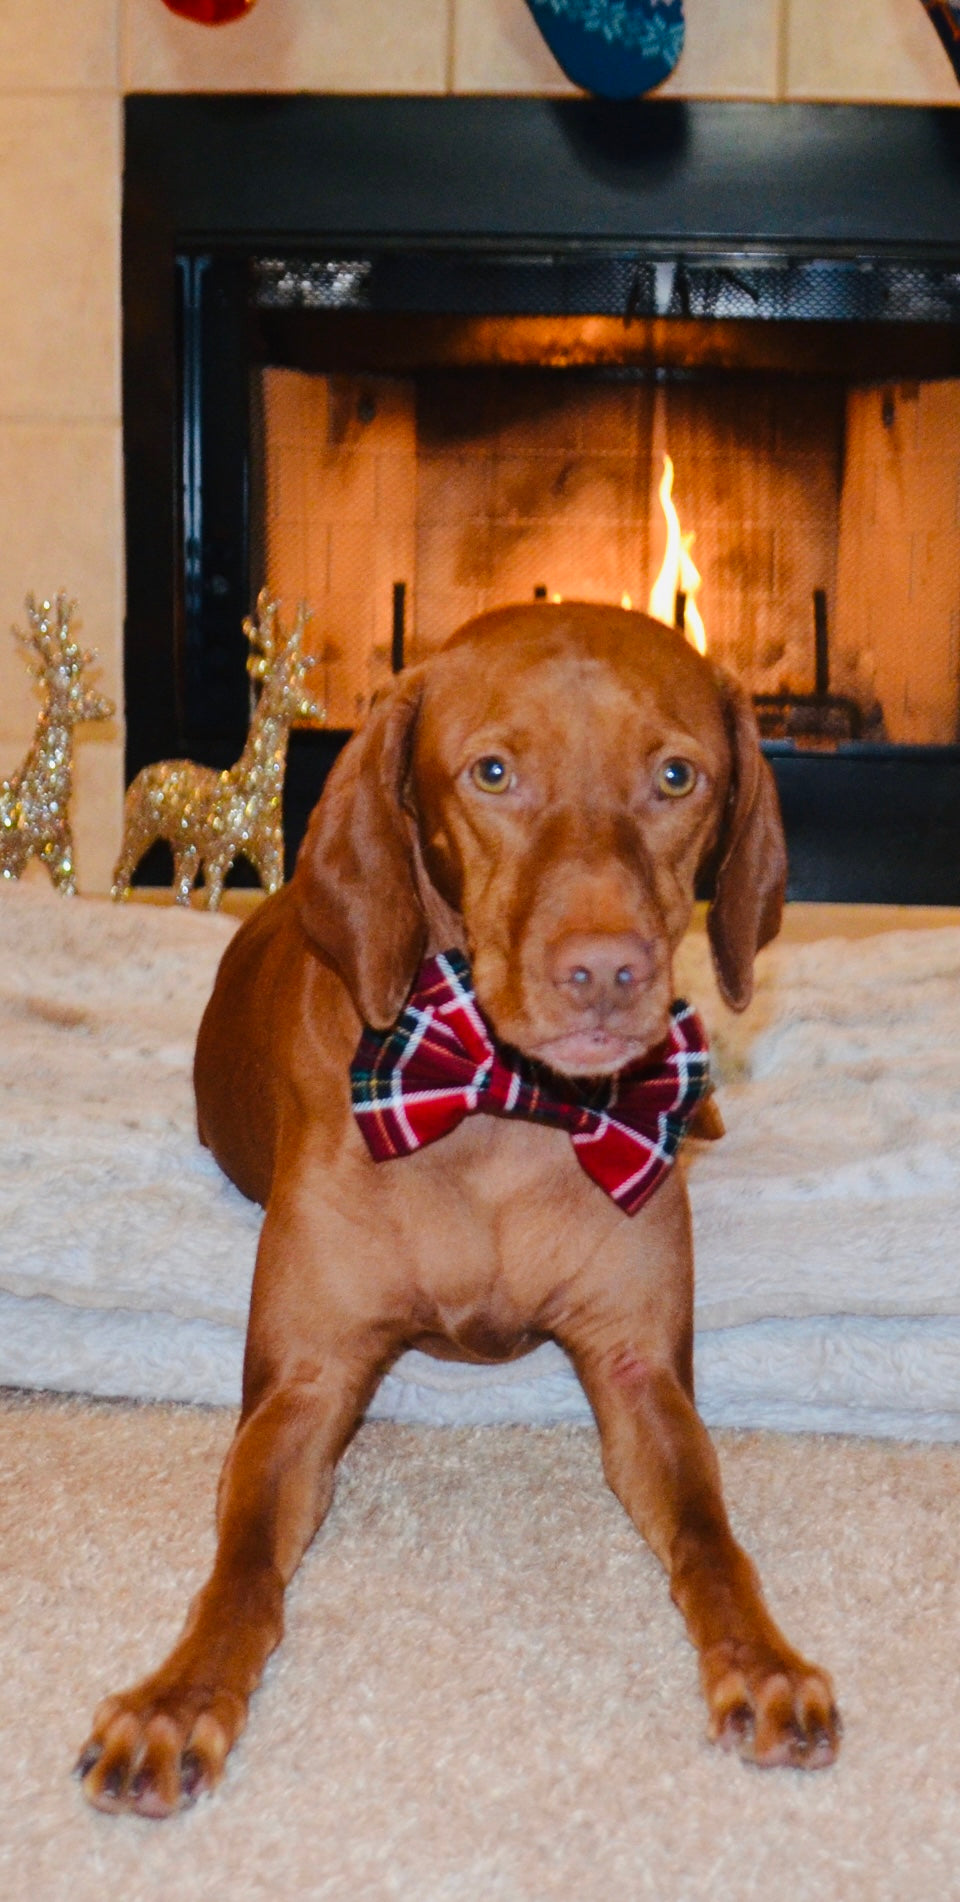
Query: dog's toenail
(114, 1781)
(86, 1760)
(191, 1775)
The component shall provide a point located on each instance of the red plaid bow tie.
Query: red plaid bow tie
(417, 1081)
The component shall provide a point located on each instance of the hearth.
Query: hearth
(411, 358)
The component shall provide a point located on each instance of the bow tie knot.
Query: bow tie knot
(439, 1062)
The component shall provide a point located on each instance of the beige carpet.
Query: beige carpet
(484, 1693)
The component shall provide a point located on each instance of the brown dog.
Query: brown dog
(541, 796)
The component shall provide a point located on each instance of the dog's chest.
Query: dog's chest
(494, 1219)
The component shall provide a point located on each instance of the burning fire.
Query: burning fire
(678, 582)
(679, 574)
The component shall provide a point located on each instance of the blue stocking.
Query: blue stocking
(616, 48)
(945, 15)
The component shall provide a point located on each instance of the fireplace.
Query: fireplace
(411, 358)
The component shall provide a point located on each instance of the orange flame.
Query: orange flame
(679, 572)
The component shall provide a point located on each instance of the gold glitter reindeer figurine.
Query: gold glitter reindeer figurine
(35, 803)
(208, 818)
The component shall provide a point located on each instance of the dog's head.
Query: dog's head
(544, 793)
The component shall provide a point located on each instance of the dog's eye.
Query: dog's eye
(676, 777)
(491, 774)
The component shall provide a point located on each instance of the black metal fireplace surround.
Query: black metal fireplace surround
(651, 213)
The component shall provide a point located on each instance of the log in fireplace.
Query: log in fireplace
(408, 358)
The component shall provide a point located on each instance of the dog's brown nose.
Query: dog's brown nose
(600, 971)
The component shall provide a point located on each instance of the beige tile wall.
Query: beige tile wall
(899, 555)
(60, 453)
(340, 481)
(882, 50)
(45, 46)
(732, 50)
(290, 46)
(866, 50)
(63, 70)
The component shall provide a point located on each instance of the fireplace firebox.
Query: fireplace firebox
(409, 358)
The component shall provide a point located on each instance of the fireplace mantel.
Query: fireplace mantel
(251, 167)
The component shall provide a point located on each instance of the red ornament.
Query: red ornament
(210, 12)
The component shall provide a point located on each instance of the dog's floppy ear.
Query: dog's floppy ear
(354, 882)
(751, 858)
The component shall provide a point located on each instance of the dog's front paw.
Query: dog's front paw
(154, 1749)
(772, 1708)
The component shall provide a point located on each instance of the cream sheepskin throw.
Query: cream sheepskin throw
(827, 1220)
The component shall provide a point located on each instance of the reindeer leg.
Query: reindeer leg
(141, 830)
(13, 852)
(214, 874)
(186, 863)
(59, 863)
(268, 864)
(124, 869)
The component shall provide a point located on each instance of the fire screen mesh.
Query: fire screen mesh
(822, 520)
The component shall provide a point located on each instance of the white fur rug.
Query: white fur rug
(827, 1220)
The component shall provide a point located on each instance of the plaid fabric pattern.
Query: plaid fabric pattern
(413, 1083)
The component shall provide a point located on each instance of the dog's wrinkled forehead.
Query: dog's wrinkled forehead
(568, 680)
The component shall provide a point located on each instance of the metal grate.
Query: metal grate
(487, 282)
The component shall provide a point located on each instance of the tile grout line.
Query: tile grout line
(782, 75)
(122, 48)
(450, 74)
(37, 419)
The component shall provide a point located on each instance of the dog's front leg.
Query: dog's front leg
(157, 1746)
(630, 1340)
(764, 1699)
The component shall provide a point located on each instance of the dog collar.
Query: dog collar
(439, 1062)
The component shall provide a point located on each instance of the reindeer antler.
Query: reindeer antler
(50, 630)
(32, 655)
(266, 634)
(48, 640)
(58, 664)
(261, 632)
(304, 614)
